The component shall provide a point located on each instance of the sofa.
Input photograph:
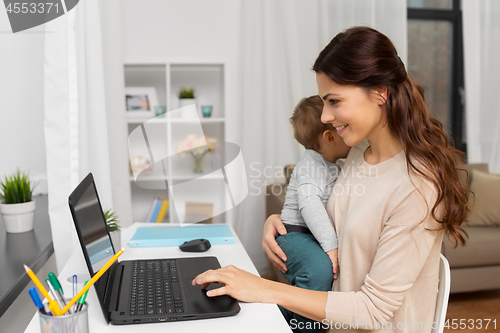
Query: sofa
(473, 267)
(477, 265)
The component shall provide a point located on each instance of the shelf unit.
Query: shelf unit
(157, 137)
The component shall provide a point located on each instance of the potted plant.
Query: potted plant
(113, 227)
(17, 206)
(186, 97)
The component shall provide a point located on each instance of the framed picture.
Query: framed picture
(140, 101)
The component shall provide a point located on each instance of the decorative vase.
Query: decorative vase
(198, 162)
(185, 113)
(186, 101)
(18, 217)
(206, 110)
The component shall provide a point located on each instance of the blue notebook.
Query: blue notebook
(174, 236)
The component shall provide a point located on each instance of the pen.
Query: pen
(75, 287)
(46, 309)
(93, 280)
(81, 301)
(53, 306)
(36, 299)
(51, 288)
(57, 286)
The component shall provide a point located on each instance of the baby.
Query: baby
(311, 242)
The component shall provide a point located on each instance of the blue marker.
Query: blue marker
(75, 288)
(36, 299)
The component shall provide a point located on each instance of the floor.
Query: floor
(474, 309)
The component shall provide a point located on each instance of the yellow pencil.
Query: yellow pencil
(92, 281)
(54, 307)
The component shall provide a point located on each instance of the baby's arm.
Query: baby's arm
(334, 254)
(316, 218)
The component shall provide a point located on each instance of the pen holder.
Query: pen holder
(74, 323)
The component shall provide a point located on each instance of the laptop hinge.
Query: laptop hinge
(115, 289)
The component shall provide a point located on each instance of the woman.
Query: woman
(397, 195)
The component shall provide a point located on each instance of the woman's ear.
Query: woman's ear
(382, 94)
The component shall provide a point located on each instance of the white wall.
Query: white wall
(180, 29)
(188, 29)
(22, 143)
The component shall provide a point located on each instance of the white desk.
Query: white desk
(252, 318)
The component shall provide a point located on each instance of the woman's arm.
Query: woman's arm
(248, 287)
(403, 250)
(272, 226)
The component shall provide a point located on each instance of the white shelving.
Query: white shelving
(179, 121)
(157, 138)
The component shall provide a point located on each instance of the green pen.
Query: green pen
(81, 301)
(57, 286)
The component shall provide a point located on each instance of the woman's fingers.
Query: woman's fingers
(278, 224)
(275, 260)
(238, 283)
(211, 276)
(208, 277)
(217, 292)
(273, 251)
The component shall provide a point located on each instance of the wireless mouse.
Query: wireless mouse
(195, 245)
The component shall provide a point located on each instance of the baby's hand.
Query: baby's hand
(333, 254)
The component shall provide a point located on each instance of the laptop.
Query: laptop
(141, 291)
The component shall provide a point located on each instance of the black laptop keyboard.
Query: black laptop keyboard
(155, 288)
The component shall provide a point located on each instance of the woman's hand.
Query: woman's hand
(239, 284)
(274, 252)
(247, 287)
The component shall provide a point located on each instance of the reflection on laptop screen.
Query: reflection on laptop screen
(90, 219)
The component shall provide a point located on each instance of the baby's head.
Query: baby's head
(310, 132)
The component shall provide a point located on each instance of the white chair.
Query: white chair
(442, 295)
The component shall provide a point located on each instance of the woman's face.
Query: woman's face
(356, 114)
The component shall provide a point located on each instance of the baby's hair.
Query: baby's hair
(306, 122)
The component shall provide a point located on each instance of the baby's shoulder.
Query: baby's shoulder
(310, 160)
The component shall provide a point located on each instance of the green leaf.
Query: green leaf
(111, 220)
(186, 93)
(16, 188)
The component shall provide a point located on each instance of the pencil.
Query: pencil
(54, 308)
(92, 281)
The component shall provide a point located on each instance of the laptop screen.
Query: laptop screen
(93, 234)
(90, 219)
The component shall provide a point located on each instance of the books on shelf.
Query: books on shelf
(157, 210)
(163, 211)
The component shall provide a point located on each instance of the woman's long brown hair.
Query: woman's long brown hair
(366, 58)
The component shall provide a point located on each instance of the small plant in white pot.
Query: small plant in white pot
(113, 227)
(186, 97)
(17, 206)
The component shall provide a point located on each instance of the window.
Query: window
(435, 61)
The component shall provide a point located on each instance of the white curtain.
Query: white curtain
(279, 43)
(482, 79)
(75, 117)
